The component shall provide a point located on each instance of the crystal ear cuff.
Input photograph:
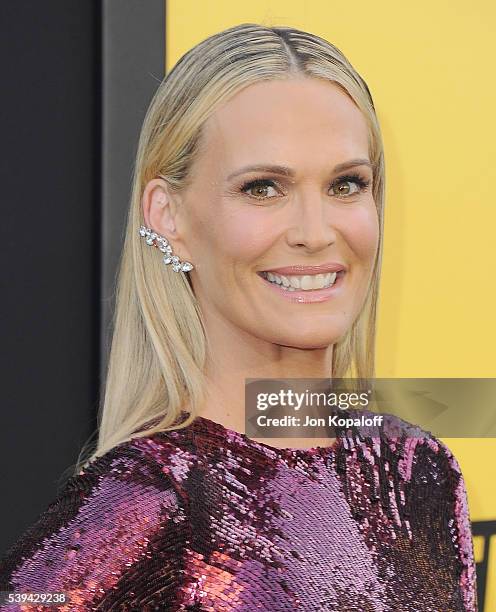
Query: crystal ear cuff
(154, 239)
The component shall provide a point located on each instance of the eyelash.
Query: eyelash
(361, 181)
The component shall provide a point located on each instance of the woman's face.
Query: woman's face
(234, 223)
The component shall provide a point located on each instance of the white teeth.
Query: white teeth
(319, 280)
(305, 282)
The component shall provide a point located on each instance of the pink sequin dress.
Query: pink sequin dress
(204, 518)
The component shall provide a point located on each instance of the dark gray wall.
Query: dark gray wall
(76, 81)
(133, 45)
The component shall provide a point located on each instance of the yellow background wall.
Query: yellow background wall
(429, 66)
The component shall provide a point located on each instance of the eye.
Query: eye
(260, 188)
(343, 187)
(345, 184)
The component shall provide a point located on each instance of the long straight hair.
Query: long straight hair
(158, 349)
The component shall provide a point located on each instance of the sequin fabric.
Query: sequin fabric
(204, 518)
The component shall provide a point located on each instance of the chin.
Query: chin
(314, 339)
(313, 344)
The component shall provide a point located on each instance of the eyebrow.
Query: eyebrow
(284, 170)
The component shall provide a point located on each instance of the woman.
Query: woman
(253, 250)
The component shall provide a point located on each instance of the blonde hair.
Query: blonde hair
(158, 346)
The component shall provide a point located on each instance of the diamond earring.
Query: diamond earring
(154, 239)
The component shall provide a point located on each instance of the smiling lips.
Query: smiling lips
(303, 282)
(330, 266)
(304, 278)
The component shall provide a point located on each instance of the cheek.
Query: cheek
(243, 235)
(361, 233)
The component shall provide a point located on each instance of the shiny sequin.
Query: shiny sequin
(203, 518)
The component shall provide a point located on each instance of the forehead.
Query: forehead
(292, 121)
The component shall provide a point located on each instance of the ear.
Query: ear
(161, 213)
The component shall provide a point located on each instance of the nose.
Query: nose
(311, 227)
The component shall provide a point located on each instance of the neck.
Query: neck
(234, 355)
